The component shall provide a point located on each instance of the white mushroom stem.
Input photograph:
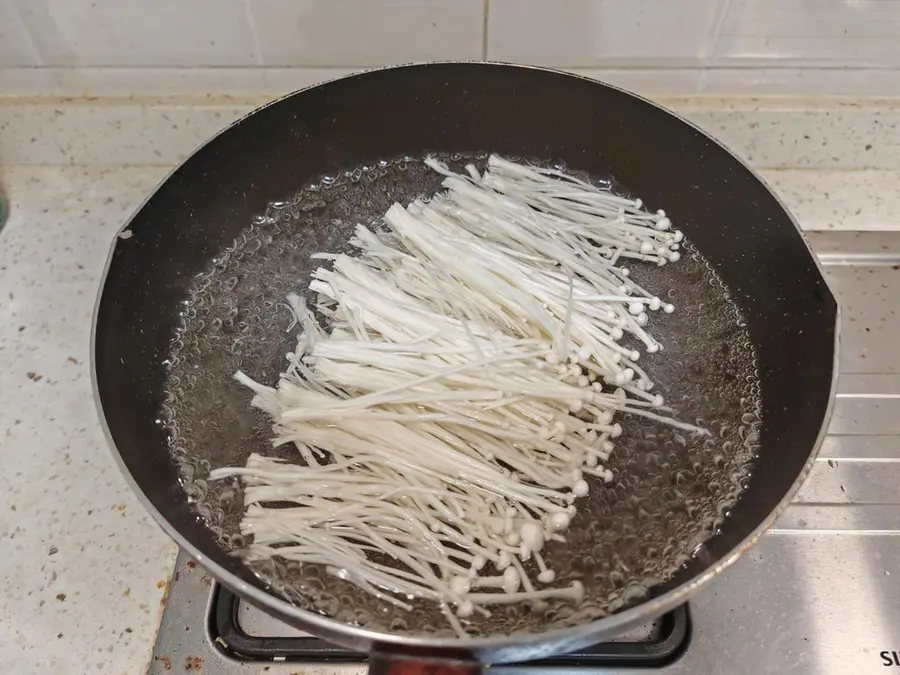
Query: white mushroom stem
(466, 380)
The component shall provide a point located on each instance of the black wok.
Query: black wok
(725, 210)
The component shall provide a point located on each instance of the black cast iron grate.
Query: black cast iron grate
(666, 642)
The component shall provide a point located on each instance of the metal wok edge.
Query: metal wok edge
(493, 649)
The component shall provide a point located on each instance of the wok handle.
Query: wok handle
(385, 663)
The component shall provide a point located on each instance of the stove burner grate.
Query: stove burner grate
(666, 641)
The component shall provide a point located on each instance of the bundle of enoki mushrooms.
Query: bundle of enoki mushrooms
(463, 384)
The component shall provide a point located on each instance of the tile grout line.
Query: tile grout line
(484, 29)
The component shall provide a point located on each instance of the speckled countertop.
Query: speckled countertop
(83, 570)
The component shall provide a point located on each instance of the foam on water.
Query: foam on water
(671, 491)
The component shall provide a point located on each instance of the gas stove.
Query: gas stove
(819, 594)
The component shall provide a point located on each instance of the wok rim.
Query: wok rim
(498, 648)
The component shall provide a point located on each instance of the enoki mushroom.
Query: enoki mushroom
(462, 388)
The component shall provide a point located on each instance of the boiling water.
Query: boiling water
(672, 490)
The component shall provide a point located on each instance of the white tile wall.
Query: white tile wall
(366, 32)
(139, 32)
(654, 46)
(814, 32)
(576, 33)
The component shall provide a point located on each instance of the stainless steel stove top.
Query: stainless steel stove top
(820, 594)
